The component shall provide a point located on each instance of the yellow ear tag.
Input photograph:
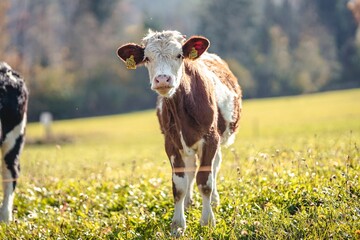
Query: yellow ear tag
(193, 53)
(130, 62)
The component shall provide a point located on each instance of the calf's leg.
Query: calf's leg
(215, 199)
(205, 178)
(180, 185)
(12, 144)
(190, 169)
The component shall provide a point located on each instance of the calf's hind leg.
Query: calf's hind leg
(12, 144)
(215, 199)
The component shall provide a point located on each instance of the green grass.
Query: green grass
(293, 173)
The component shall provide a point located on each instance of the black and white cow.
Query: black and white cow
(13, 107)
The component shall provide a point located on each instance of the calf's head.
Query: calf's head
(163, 54)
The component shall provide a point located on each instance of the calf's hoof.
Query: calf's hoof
(178, 228)
(215, 199)
(188, 203)
(208, 221)
(5, 216)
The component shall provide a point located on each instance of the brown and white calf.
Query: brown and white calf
(13, 107)
(198, 107)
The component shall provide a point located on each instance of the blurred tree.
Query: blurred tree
(266, 38)
(232, 28)
(280, 62)
(245, 78)
(52, 91)
(337, 18)
(316, 52)
(68, 56)
(354, 7)
(7, 52)
(102, 10)
(66, 49)
(3, 25)
(235, 32)
(312, 70)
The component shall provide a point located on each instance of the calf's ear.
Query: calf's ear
(195, 46)
(132, 54)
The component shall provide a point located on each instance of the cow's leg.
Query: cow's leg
(205, 178)
(179, 184)
(190, 168)
(12, 145)
(215, 199)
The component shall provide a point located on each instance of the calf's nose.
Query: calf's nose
(162, 81)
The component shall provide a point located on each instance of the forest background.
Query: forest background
(65, 49)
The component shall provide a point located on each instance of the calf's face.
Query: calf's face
(163, 54)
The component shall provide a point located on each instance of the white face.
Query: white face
(163, 57)
(163, 54)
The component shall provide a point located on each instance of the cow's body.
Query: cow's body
(13, 107)
(198, 109)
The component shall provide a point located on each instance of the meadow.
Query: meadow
(293, 173)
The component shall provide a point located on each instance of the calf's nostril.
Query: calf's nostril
(162, 79)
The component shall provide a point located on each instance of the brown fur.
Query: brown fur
(194, 112)
(192, 119)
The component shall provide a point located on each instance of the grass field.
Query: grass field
(293, 173)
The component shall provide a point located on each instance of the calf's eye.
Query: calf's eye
(146, 59)
(179, 56)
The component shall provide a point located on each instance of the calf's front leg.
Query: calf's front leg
(205, 178)
(179, 184)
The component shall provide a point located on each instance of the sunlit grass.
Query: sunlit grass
(292, 173)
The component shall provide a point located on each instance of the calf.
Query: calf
(198, 108)
(13, 106)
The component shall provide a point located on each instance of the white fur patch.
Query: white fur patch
(215, 199)
(159, 105)
(187, 150)
(211, 57)
(191, 150)
(180, 182)
(225, 99)
(162, 51)
(11, 76)
(172, 159)
(10, 138)
(7, 205)
(9, 73)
